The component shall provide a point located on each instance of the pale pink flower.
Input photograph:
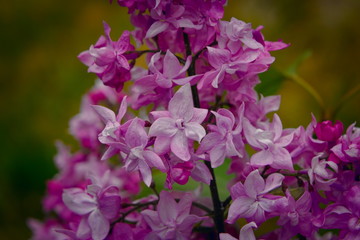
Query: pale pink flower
(174, 128)
(107, 59)
(172, 71)
(252, 200)
(172, 220)
(225, 138)
(97, 205)
(111, 134)
(271, 143)
(139, 157)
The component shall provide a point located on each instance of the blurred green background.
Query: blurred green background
(42, 81)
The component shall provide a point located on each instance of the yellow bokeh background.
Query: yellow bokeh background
(42, 81)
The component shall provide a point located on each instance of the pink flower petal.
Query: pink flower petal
(105, 114)
(167, 208)
(154, 160)
(246, 231)
(273, 181)
(171, 66)
(135, 135)
(78, 201)
(181, 104)
(99, 225)
(238, 208)
(254, 184)
(145, 172)
(262, 158)
(194, 131)
(156, 28)
(164, 127)
(179, 146)
(162, 145)
(226, 236)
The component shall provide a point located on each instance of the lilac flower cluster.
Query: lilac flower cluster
(192, 110)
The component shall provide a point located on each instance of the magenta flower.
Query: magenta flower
(225, 139)
(172, 220)
(107, 60)
(180, 171)
(271, 143)
(328, 131)
(169, 18)
(224, 62)
(97, 206)
(174, 128)
(251, 199)
(295, 216)
(111, 133)
(322, 173)
(172, 71)
(138, 156)
(235, 34)
(348, 149)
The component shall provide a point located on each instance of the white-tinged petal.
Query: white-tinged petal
(156, 28)
(194, 131)
(154, 160)
(249, 131)
(180, 147)
(276, 126)
(181, 104)
(273, 181)
(262, 158)
(282, 159)
(111, 151)
(246, 232)
(135, 135)
(167, 208)
(145, 172)
(226, 236)
(217, 155)
(104, 113)
(78, 201)
(165, 127)
(162, 145)
(171, 66)
(201, 173)
(152, 219)
(122, 109)
(254, 184)
(99, 225)
(199, 115)
(238, 208)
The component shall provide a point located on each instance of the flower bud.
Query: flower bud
(327, 131)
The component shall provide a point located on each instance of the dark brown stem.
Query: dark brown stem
(226, 202)
(218, 210)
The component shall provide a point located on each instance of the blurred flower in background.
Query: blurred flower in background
(42, 81)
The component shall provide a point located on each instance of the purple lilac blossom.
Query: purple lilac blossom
(172, 220)
(174, 128)
(225, 138)
(107, 59)
(97, 205)
(251, 199)
(271, 142)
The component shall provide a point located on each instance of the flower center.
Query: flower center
(180, 124)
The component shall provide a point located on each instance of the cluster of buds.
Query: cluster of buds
(192, 110)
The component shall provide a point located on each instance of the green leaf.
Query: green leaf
(271, 82)
(292, 69)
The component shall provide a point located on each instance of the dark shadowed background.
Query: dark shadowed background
(42, 81)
